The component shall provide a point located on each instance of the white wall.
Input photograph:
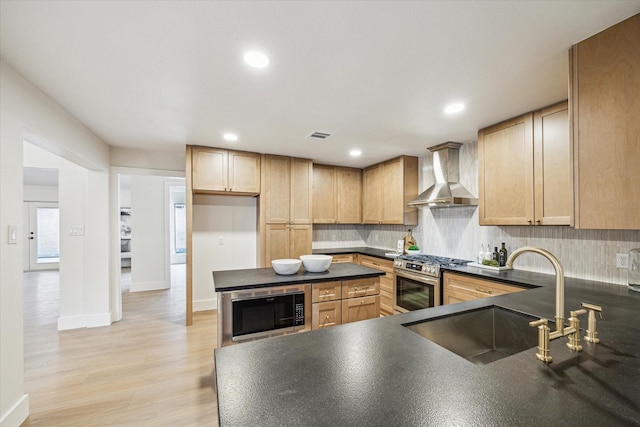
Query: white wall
(149, 236)
(40, 193)
(27, 114)
(225, 237)
(148, 159)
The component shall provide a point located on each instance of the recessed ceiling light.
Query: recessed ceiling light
(355, 153)
(256, 59)
(454, 108)
(230, 137)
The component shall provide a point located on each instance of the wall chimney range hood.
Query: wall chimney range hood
(447, 191)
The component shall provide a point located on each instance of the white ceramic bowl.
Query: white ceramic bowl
(316, 263)
(286, 266)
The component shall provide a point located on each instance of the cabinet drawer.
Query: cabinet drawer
(360, 287)
(464, 288)
(356, 309)
(327, 291)
(326, 314)
(342, 258)
(387, 303)
(377, 263)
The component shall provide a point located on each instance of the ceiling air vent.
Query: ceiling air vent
(319, 135)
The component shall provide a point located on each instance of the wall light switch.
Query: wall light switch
(12, 234)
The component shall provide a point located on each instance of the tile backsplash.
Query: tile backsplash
(454, 232)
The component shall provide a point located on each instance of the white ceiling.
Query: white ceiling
(376, 75)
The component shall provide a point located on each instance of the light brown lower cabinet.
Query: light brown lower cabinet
(355, 309)
(459, 287)
(347, 301)
(325, 314)
(345, 258)
(387, 282)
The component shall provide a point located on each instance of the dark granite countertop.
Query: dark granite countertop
(233, 280)
(379, 373)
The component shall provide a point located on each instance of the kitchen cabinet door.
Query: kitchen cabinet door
(372, 194)
(301, 191)
(277, 242)
(605, 107)
(301, 236)
(326, 314)
(356, 309)
(277, 189)
(324, 194)
(209, 169)
(348, 195)
(553, 198)
(244, 172)
(393, 191)
(505, 166)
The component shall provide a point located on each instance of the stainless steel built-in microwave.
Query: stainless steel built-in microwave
(264, 312)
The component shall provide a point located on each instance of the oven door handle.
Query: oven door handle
(417, 277)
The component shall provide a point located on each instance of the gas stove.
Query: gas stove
(427, 265)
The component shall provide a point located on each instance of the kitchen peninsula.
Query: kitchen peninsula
(379, 373)
(258, 303)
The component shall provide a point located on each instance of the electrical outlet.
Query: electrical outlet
(221, 240)
(622, 260)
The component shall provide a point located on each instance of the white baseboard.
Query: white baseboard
(205, 304)
(17, 414)
(84, 321)
(149, 286)
(97, 320)
(71, 322)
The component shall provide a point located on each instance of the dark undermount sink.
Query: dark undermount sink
(482, 335)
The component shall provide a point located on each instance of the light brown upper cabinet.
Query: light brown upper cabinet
(524, 167)
(285, 208)
(287, 190)
(605, 110)
(219, 171)
(387, 188)
(337, 195)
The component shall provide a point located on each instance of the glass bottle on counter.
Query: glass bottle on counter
(481, 254)
(487, 254)
(494, 256)
(502, 256)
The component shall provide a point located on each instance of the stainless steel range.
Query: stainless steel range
(418, 280)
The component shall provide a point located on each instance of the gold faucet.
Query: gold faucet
(544, 334)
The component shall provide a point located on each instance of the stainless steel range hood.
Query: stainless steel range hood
(447, 191)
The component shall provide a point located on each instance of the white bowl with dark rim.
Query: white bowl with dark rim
(316, 263)
(286, 266)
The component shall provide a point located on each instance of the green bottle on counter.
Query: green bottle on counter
(502, 256)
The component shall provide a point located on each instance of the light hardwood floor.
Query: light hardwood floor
(146, 370)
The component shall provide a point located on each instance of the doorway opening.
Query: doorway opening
(152, 232)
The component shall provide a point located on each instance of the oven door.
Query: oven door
(415, 291)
